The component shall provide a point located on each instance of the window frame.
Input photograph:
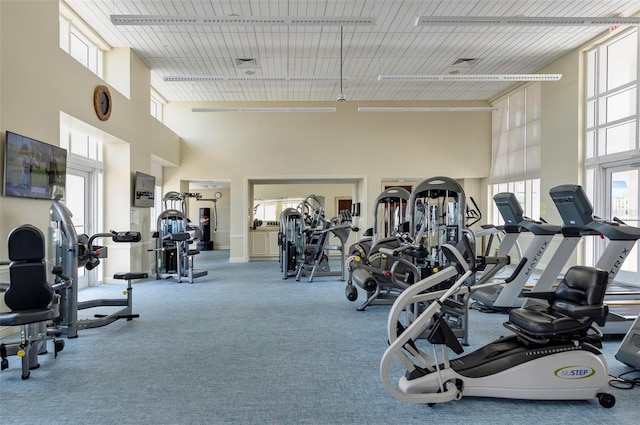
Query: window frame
(598, 161)
(71, 26)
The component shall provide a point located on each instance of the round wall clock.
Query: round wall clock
(102, 102)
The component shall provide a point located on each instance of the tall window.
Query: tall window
(515, 165)
(156, 105)
(612, 176)
(84, 189)
(77, 39)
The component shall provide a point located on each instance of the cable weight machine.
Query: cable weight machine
(174, 235)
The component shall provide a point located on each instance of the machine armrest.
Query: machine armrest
(580, 311)
(547, 295)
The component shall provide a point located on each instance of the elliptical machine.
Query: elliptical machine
(313, 260)
(553, 355)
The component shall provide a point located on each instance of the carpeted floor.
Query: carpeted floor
(243, 346)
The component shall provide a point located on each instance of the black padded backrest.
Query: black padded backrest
(582, 286)
(26, 243)
(28, 287)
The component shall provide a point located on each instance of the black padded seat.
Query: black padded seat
(130, 275)
(180, 236)
(25, 317)
(572, 308)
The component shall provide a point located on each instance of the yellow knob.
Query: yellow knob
(358, 259)
(21, 353)
(125, 292)
(435, 270)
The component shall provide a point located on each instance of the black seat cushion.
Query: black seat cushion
(28, 287)
(576, 303)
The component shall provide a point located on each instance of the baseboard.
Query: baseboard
(238, 260)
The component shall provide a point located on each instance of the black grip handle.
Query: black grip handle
(517, 271)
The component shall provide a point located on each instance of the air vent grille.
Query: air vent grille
(245, 63)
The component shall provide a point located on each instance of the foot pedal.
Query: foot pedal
(58, 345)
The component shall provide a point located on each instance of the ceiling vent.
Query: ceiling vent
(245, 63)
(465, 62)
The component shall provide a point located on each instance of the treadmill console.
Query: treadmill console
(573, 205)
(509, 208)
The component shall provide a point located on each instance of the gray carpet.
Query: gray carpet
(243, 346)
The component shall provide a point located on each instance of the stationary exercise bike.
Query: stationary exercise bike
(553, 355)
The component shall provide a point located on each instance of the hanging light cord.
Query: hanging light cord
(341, 91)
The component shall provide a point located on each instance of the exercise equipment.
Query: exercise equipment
(30, 298)
(512, 214)
(174, 237)
(72, 251)
(507, 296)
(314, 261)
(205, 243)
(438, 215)
(367, 267)
(629, 350)
(291, 241)
(552, 355)
(623, 300)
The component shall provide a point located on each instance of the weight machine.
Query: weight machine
(438, 215)
(72, 251)
(291, 241)
(174, 236)
(367, 267)
(30, 298)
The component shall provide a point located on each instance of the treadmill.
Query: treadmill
(503, 297)
(629, 350)
(623, 301)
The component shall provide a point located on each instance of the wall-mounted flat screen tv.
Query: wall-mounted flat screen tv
(144, 187)
(33, 169)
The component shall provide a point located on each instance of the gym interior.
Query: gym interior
(210, 326)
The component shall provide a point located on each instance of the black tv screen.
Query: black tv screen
(144, 187)
(33, 169)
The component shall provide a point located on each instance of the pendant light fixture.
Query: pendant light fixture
(341, 96)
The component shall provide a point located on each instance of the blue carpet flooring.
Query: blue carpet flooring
(243, 346)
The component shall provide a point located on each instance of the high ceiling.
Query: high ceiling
(293, 55)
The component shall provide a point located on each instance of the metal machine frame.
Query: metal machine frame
(71, 252)
(367, 267)
(174, 257)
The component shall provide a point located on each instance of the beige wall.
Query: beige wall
(346, 145)
(40, 82)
